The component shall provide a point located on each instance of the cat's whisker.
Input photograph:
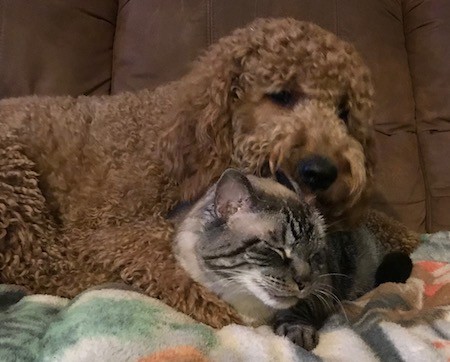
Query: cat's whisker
(238, 286)
(323, 300)
(330, 294)
(280, 286)
(334, 274)
(231, 271)
(335, 222)
(222, 282)
(227, 280)
(242, 278)
(327, 297)
(324, 287)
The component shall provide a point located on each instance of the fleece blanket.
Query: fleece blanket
(395, 322)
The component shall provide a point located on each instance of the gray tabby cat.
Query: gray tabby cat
(263, 249)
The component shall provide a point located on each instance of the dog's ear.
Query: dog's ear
(197, 146)
(360, 123)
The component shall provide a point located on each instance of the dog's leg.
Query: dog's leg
(34, 252)
(391, 233)
(25, 221)
(141, 254)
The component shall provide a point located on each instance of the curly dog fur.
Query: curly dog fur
(86, 183)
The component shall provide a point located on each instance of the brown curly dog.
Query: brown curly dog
(86, 183)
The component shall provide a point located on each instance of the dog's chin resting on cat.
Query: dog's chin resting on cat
(264, 249)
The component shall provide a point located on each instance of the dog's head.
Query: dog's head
(278, 93)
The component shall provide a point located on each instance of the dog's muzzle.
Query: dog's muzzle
(317, 172)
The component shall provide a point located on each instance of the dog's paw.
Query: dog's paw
(303, 335)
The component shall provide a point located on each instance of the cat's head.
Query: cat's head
(253, 235)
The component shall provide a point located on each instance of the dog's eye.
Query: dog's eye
(284, 98)
(343, 111)
(343, 114)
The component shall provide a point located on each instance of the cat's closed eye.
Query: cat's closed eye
(262, 253)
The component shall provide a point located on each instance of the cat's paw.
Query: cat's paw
(304, 335)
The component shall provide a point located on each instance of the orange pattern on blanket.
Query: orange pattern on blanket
(176, 354)
(436, 277)
(443, 345)
(429, 265)
(432, 289)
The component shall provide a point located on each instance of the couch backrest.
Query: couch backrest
(108, 46)
(56, 46)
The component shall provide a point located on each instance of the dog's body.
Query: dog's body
(101, 215)
(86, 183)
(96, 153)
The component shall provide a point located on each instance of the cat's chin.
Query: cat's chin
(268, 298)
(274, 301)
(283, 302)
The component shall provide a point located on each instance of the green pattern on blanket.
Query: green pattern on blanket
(124, 320)
(23, 325)
(45, 327)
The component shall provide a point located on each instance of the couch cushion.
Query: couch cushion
(56, 46)
(427, 34)
(150, 50)
(400, 187)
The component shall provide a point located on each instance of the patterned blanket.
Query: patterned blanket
(395, 322)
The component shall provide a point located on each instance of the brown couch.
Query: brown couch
(108, 46)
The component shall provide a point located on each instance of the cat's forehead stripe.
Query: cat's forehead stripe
(289, 236)
(288, 252)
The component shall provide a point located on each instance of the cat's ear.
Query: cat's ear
(233, 193)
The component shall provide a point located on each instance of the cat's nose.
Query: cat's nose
(302, 281)
(317, 172)
(301, 272)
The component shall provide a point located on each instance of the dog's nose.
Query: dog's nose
(317, 172)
